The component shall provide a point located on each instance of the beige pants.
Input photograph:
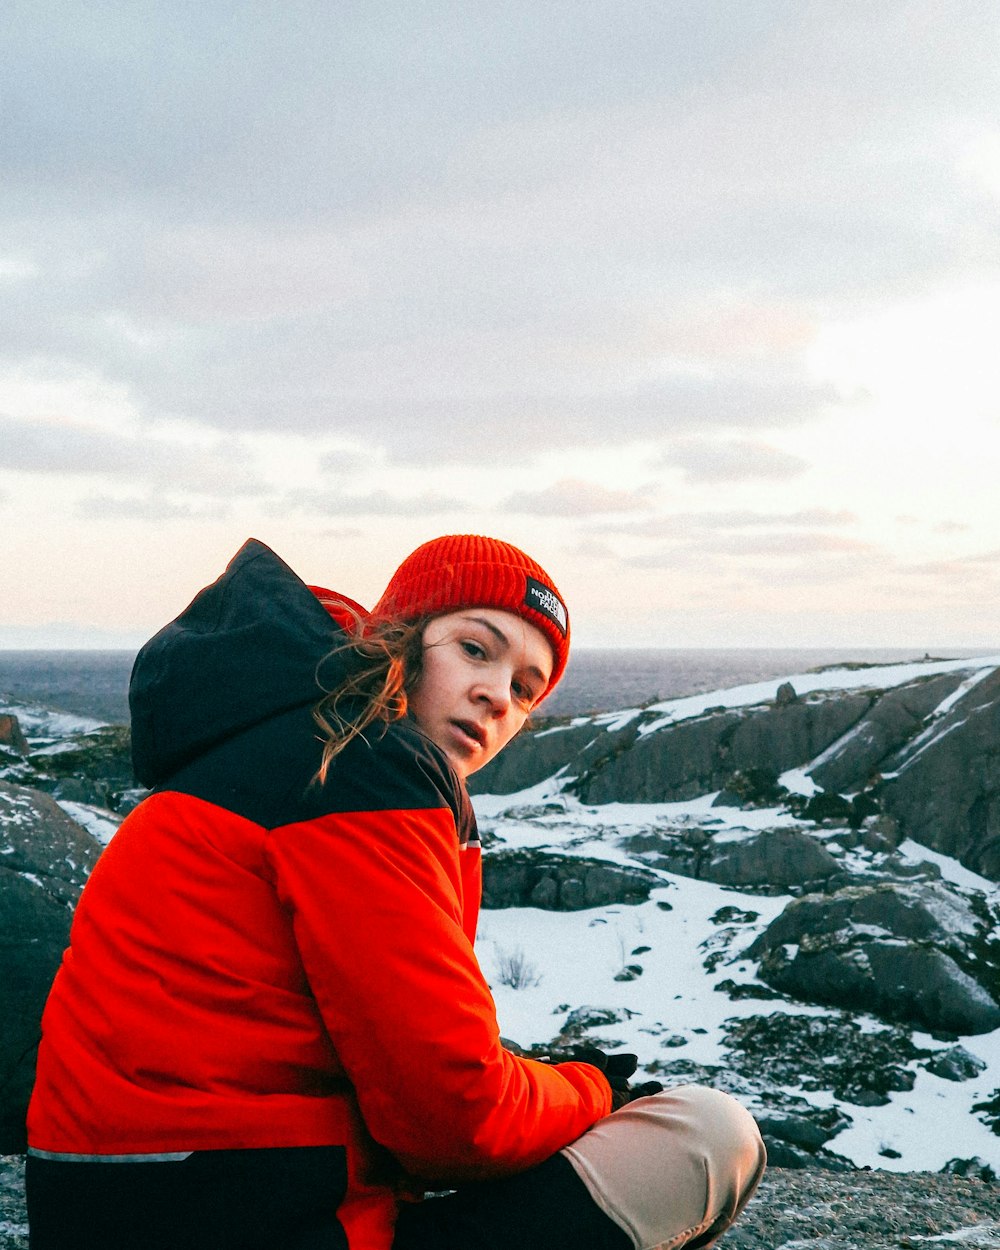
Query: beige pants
(674, 1169)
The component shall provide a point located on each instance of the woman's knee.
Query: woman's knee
(673, 1168)
(719, 1126)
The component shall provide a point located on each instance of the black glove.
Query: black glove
(620, 1067)
(617, 1069)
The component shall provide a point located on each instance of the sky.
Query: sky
(697, 303)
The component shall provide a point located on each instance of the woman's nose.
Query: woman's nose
(495, 690)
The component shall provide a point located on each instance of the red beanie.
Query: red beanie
(469, 571)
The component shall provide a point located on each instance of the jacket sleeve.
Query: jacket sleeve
(375, 899)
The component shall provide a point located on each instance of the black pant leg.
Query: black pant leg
(283, 1199)
(547, 1207)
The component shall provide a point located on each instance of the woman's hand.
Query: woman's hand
(617, 1069)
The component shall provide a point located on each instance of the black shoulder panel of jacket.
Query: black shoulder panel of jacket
(246, 649)
(268, 774)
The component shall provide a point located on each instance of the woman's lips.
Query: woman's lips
(470, 732)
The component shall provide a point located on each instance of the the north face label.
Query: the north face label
(546, 601)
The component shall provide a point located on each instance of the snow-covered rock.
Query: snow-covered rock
(801, 949)
(45, 857)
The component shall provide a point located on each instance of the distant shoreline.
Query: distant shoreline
(94, 682)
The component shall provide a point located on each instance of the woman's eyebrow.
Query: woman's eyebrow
(494, 630)
(505, 641)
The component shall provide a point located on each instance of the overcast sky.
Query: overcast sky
(696, 301)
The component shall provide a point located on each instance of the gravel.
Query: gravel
(792, 1210)
(867, 1210)
(13, 1223)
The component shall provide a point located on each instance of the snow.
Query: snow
(879, 677)
(56, 748)
(572, 958)
(960, 691)
(798, 781)
(985, 1235)
(951, 869)
(41, 722)
(575, 956)
(926, 739)
(102, 825)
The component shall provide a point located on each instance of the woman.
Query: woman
(270, 1028)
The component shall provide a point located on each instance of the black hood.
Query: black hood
(245, 649)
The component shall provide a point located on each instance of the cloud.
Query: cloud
(985, 557)
(802, 517)
(804, 557)
(385, 102)
(572, 497)
(985, 562)
(592, 550)
(421, 379)
(682, 525)
(467, 430)
(377, 244)
(813, 546)
(418, 393)
(340, 533)
(733, 461)
(375, 503)
(467, 236)
(14, 269)
(145, 508)
(344, 461)
(59, 446)
(809, 543)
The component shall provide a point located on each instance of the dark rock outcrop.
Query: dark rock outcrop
(44, 860)
(540, 753)
(581, 1020)
(695, 757)
(825, 1052)
(895, 718)
(772, 861)
(559, 883)
(796, 1133)
(945, 788)
(773, 858)
(956, 1064)
(916, 953)
(95, 767)
(679, 761)
(11, 736)
(890, 753)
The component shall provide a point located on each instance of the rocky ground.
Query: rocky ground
(13, 1222)
(815, 1210)
(793, 1210)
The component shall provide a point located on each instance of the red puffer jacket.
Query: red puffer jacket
(259, 960)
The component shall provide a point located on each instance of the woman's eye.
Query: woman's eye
(523, 693)
(473, 649)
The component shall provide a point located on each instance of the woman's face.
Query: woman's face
(483, 671)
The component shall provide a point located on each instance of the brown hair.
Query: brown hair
(384, 661)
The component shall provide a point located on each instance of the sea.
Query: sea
(95, 683)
